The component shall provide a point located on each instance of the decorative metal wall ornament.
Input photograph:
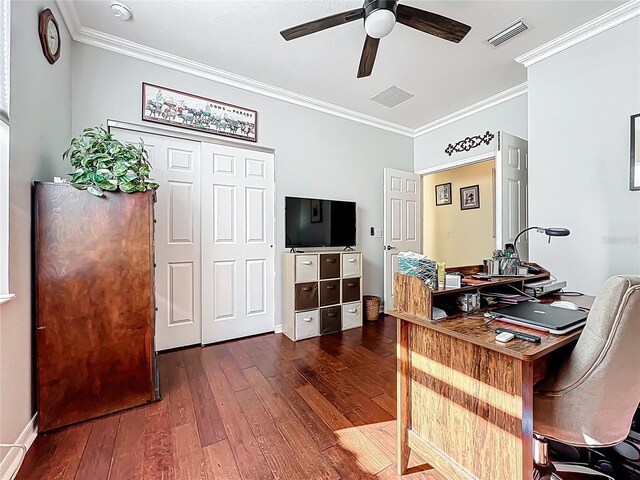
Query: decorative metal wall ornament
(469, 143)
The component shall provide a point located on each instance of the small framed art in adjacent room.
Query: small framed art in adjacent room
(470, 197)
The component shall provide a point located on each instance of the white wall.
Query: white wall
(40, 132)
(580, 101)
(317, 155)
(509, 116)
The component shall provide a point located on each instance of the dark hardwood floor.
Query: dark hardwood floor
(256, 408)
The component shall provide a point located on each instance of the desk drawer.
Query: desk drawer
(329, 265)
(330, 320)
(306, 296)
(307, 324)
(351, 315)
(350, 264)
(329, 292)
(306, 268)
(351, 290)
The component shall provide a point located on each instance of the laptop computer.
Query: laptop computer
(542, 316)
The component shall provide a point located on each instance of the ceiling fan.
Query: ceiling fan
(380, 16)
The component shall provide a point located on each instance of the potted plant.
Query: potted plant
(104, 163)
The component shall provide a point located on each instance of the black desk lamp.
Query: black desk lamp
(550, 232)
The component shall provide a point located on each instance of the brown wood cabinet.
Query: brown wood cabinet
(94, 303)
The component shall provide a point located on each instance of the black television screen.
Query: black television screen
(311, 222)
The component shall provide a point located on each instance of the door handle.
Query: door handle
(307, 262)
(331, 314)
(331, 260)
(352, 260)
(353, 310)
(306, 289)
(331, 287)
(390, 247)
(40, 328)
(308, 319)
(351, 284)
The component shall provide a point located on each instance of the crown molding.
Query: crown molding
(489, 102)
(119, 45)
(604, 22)
(69, 16)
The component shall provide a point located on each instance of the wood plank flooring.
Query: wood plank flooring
(251, 409)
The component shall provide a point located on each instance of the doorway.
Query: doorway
(459, 226)
(509, 200)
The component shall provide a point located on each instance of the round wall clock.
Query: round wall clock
(49, 36)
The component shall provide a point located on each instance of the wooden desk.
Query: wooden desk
(465, 401)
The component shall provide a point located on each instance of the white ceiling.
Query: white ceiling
(242, 37)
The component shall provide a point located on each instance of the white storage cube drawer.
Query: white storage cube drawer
(306, 268)
(307, 324)
(351, 265)
(351, 315)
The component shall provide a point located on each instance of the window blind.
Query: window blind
(5, 48)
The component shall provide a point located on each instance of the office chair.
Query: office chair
(591, 399)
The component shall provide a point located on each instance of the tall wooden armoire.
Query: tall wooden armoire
(94, 303)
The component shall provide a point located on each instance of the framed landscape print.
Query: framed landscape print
(634, 182)
(470, 197)
(178, 109)
(443, 194)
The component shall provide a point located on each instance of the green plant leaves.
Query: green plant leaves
(102, 162)
(95, 191)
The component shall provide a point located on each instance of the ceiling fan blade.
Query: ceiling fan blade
(432, 23)
(368, 56)
(322, 24)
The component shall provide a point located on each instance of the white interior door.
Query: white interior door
(237, 242)
(402, 223)
(512, 159)
(176, 167)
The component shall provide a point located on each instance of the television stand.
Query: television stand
(321, 292)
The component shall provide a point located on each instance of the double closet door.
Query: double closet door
(214, 276)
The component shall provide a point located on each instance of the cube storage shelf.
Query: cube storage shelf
(321, 293)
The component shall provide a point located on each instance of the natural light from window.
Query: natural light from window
(5, 20)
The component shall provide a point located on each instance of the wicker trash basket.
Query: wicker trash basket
(371, 307)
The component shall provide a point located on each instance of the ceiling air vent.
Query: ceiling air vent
(507, 33)
(392, 96)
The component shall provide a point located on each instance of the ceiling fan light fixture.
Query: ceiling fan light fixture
(380, 23)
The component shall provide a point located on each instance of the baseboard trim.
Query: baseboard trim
(10, 462)
(278, 329)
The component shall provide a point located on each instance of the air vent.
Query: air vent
(392, 96)
(507, 33)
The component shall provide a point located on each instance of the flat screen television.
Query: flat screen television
(313, 222)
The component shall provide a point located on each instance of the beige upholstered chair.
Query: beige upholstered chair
(591, 399)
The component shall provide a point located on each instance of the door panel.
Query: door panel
(402, 222)
(511, 194)
(176, 167)
(237, 243)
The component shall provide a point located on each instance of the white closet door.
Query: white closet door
(237, 242)
(176, 167)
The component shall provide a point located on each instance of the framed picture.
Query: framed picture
(316, 211)
(634, 179)
(178, 109)
(443, 194)
(470, 197)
